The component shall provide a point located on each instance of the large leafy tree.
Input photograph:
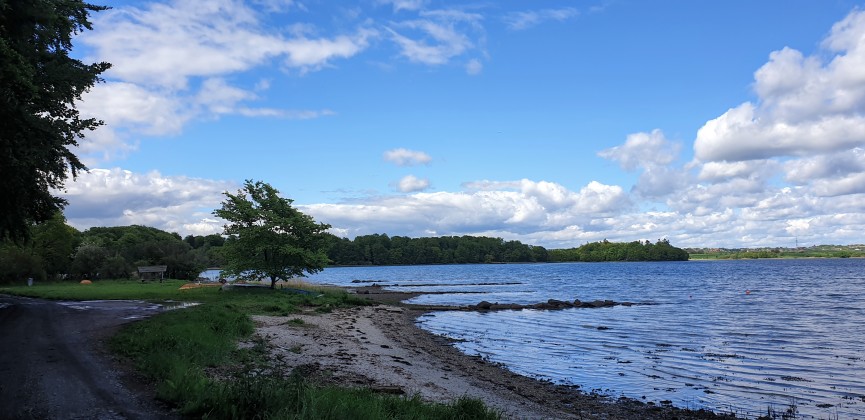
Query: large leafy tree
(39, 84)
(268, 238)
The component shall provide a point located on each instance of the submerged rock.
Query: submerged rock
(551, 304)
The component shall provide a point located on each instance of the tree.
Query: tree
(39, 84)
(268, 238)
(55, 243)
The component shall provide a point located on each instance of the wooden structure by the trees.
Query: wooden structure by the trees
(152, 272)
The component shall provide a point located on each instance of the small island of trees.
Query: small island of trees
(621, 251)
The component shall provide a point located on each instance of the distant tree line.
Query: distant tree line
(816, 251)
(620, 251)
(56, 251)
(380, 249)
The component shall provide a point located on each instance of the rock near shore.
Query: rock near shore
(551, 304)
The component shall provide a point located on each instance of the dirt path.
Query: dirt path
(53, 363)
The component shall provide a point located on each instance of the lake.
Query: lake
(732, 336)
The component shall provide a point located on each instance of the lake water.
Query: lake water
(730, 336)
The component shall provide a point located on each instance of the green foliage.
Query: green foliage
(45, 255)
(39, 84)
(115, 252)
(379, 249)
(620, 251)
(267, 237)
(17, 263)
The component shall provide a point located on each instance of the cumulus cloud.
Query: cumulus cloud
(528, 207)
(411, 183)
(117, 197)
(523, 20)
(806, 105)
(730, 214)
(826, 167)
(642, 150)
(652, 153)
(406, 157)
(733, 213)
(790, 163)
(722, 171)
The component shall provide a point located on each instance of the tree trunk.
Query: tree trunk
(273, 282)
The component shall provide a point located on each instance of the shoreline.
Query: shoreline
(381, 347)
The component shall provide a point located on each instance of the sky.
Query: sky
(732, 123)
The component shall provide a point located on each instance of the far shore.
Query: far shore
(804, 257)
(382, 348)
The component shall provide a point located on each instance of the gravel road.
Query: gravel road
(53, 363)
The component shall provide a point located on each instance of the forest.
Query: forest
(620, 251)
(54, 250)
(380, 249)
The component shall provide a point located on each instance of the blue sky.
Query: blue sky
(734, 123)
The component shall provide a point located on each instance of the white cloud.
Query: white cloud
(443, 43)
(803, 171)
(437, 36)
(652, 153)
(313, 54)
(722, 171)
(220, 98)
(406, 157)
(129, 105)
(216, 97)
(524, 20)
(806, 105)
(404, 4)
(532, 206)
(411, 183)
(116, 197)
(643, 150)
(161, 51)
(129, 110)
(165, 44)
(850, 184)
(279, 6)
(733, 213)
(474, 67)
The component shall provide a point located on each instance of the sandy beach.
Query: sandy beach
(380, 347)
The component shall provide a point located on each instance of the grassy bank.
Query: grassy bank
(193, 357)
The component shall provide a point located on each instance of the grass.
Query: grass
(193, 357)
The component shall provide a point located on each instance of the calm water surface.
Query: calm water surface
(736, 336)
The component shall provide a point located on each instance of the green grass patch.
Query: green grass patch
(173, 348)
(294, 398)
(109, 289)
(253, 300)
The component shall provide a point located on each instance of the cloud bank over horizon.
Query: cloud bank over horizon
(787, 166)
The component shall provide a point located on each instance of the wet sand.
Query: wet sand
(380, 347)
